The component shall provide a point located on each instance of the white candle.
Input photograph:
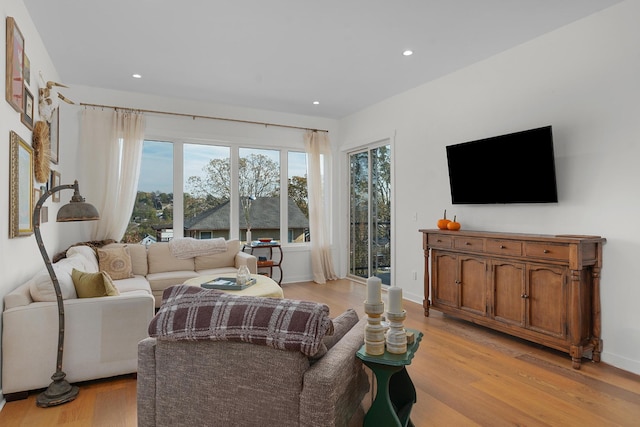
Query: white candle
(395, 299)
(374, 290)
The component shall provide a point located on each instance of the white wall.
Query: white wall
(584, 79)
(20, 257)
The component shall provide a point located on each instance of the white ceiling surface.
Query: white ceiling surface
(282, 55)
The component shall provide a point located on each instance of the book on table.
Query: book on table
(227, 283)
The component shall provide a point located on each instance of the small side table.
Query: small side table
(396, 393)
(270, 263)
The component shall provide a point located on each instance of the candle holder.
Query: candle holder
(396, 335)
(373, 330)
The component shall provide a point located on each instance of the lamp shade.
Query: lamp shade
(77, 210)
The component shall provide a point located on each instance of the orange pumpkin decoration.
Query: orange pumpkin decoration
(453, 225)
(442, 223)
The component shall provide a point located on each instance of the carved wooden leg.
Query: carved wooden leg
(596, 327)
(575, 313)
(425, 302)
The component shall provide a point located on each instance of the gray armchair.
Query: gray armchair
(206, 382)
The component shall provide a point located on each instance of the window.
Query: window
(152, 218)
(370, 213)
(225, 191)
(206, 191)
(259, 192)
(298, 198)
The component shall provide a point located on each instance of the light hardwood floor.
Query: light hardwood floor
(464, 375)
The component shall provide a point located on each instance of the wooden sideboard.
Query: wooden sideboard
(541, 288)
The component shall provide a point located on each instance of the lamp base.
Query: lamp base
(58, 392)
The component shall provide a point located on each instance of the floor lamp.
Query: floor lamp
(60, 391)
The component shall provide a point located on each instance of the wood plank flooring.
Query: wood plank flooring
(464, 375)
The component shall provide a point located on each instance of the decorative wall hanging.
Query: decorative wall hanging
(15, 56)
(27, 114)
(53, 137)
(42, 151)
(50, 99)
(20, 187)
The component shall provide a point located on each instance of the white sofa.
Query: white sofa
(101, 334)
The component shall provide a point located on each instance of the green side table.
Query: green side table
(396, 394)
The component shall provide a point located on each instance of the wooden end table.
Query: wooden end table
(395, 394)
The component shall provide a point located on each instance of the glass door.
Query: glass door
(370, 213)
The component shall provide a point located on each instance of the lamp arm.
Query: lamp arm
(47, 263)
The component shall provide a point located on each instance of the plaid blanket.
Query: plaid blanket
(193, 313)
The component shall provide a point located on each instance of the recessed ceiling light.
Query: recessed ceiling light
(407, 52)
(137, 76)
(316, 102)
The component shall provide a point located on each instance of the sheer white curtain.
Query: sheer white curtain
(318, 149)
(112, 148)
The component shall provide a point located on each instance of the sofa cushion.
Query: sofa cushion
(192, 313)
(222, 259)
(41, 286)
(89, 255)
(92, 285)
(135, 283)
(116, 262)
(138, 254)
(341, 325)
(162, 260)
(161, 281)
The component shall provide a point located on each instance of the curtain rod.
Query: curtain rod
(197, 116)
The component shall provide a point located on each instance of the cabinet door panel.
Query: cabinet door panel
(508, 281)
(445, 288)
(547, 300)
(473, 289)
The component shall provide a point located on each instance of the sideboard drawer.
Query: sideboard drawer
(468, 244)
(546, 250)
(504, 247)
(439, 241)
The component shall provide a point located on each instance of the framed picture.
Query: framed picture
(20, 187)
(55, 181)
(37, 193)
(27, 115)
(14, 80)
(54, 136)
(26, 70)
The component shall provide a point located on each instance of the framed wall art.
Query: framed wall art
(14, 80)
(55, 181)
(20, 187)
(26, 69)
(54, 136)
(27, 115)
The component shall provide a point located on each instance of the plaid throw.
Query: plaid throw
(193, 313)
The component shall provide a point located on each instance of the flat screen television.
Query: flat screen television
(514, 168)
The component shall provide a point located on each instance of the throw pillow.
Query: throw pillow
(341, 325)
(91, 285)
(116, 262)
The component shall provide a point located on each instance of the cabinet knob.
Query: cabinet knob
(525, 296)
(458, 282)
(467, 243)
(502, 247)
(546, 251)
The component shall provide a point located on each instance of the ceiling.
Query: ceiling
(282, 55)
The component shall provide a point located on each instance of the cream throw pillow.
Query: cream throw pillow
(91, 285)
(116, 262)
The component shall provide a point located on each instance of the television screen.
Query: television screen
(514, 168)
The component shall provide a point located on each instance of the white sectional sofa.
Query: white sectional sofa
(101, 334)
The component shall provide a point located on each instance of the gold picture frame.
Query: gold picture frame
(20, 187)
(14, 80)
